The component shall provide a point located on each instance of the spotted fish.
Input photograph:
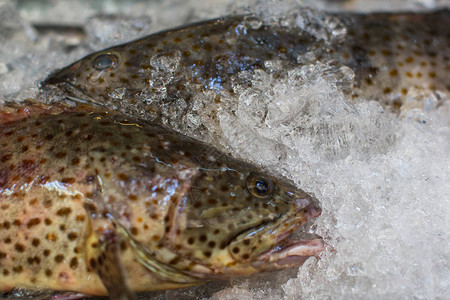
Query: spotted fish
(158, 77)
(94, 202)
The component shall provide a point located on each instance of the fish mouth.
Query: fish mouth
(62, 87)
(284, 251)
(290, 253)
(62, 84)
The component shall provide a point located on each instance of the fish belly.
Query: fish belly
(42, 242)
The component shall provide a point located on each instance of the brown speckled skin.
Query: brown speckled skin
(87, 194)
(158, 77)
(394, 54)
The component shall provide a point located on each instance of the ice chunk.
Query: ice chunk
(324, 27)
(307, 109)
(254, 146)
(291, 14)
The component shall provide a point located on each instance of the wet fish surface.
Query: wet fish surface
(94, 202)
(175, 76)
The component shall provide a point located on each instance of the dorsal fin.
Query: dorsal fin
(15, 111)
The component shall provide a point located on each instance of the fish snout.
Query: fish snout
(60, 76)
(309, 204)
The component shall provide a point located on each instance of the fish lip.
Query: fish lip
(59, 79)
(290, 253)
(69, 91)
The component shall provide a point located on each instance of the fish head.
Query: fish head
(93, 78)
(236, 221)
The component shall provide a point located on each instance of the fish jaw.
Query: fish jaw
(290, 253)
(283, 251)
(63, 83)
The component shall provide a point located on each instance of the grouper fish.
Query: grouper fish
(97, 203)
(392, 57)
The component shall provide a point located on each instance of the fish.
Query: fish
(94, 202)
(390, 57)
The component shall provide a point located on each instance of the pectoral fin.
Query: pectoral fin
(12, 111)
(103, 256)
(160, 269)
(103, 253)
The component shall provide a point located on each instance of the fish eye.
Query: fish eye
(259, 186)
(105, 62)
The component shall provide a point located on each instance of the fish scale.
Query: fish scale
(94, 202)
(161, 77)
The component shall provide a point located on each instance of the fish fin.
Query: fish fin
(15, 111)
(103, 256)
(103, 250)
(107, 235)
(160, 269)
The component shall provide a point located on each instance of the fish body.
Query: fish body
(94, 202)
(162, 76)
